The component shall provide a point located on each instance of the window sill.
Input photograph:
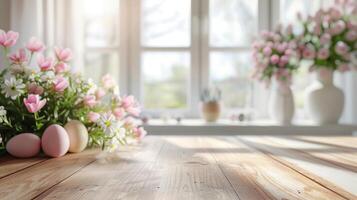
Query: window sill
(227, 127)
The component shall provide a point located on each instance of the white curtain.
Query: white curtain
(55, 22)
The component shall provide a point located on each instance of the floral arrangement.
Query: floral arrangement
(275, 56)
(329, 37)
(37, 91)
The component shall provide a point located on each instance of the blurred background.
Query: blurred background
(165, 52)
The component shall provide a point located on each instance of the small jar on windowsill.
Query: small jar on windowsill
(211, 111)
(210, 104)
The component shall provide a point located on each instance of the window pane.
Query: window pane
(165, 78)
(99, 64)
(101, 22)
(232, 22)
(165, 23)
(230, 73)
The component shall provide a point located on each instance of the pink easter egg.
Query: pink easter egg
(24, 145)
(55, 141)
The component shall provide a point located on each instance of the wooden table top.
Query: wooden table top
(192, 167)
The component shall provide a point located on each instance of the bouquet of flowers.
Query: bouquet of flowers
(329, 37)
(34, 96)
(275, 56)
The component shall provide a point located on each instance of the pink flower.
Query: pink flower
(107, 81)
(283, 61)
(33, 103)
(308, 53)
(119, 113)
(60, 84)
(8, 39)
(61, 67)
(33, 88)
(334, 13)
(344, 68)
(325, 38)
(35, 45)
(337, 28)
(93, 116)
(351, 36)
(99, 93)
(140, 132)
(274, 59)
(89, 100)
(135, 110)
(323, 54)
(44, 63)
(341, 48)
(289, 52)
(18, 57)
(63, 54)
(128, 101)
(317, 29)
(130, 105)
(267, 51)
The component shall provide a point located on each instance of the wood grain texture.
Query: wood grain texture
(256, 176)
(10, 165)
(32, 181)
(192, 167)
(327, 174)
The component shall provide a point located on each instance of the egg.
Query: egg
(55, 141)
(78, 136)
(24, 145)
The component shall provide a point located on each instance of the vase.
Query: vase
(211, 111)
(281, 104)
(324, 100)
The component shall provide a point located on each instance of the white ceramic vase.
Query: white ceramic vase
(324, 100)
(281, 104)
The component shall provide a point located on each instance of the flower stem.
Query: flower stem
(31, 55)
(6, 62)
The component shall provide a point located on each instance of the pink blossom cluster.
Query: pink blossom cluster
(23, 57)
(274, 56)
(329, 37)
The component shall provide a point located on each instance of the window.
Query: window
(232, 26)
(166, 51)
(101, 36)
(165, 54)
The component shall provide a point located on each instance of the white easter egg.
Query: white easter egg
(78, 136)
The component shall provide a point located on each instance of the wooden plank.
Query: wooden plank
(10, 165)
(143, 181)
(342, 157)
(256, 176)
(334, 178)
(186, 175)
(184, 149)
(344, 142)
(145, 151)
(32, 181)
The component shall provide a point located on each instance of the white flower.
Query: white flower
(92, 86)
(48, 76)
(2, 114)
(121, 133)
(109, 124)
(13, 88)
